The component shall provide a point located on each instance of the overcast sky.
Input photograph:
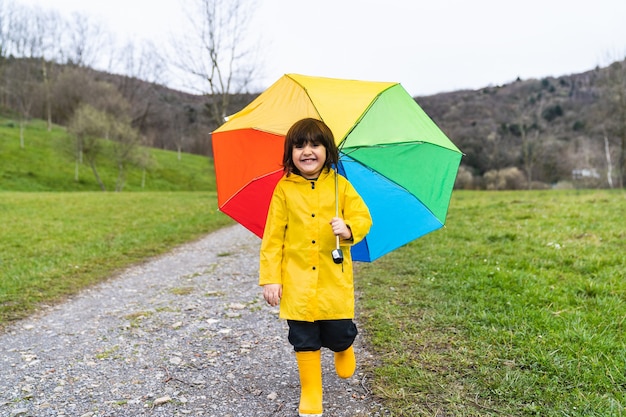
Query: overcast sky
(428, 46)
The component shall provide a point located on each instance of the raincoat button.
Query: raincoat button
(313, 242)
(313, 215)
(314, 268)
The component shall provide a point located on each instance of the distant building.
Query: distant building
(585, 173)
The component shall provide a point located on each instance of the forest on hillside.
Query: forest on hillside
(556, 131)
(567, 131)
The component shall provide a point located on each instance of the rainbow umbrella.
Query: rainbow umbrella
(395, 156)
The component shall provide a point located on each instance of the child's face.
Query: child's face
(309, 159)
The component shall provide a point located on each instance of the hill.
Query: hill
(45, 164)
(538, 132)
(565, 131)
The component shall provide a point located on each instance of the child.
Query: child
(297, 271)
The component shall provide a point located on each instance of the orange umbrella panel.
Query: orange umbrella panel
(243, 156)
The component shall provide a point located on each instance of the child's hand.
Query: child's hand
(340, 228)
(272, 294)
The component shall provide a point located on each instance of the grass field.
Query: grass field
(46, 163)
(517, 307)
(55, 244)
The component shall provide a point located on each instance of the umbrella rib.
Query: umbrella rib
(380, 145)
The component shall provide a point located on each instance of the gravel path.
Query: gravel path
(185, 334)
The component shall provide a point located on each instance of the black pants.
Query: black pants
(336, 335)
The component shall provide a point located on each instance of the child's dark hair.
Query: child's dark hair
(307, 131)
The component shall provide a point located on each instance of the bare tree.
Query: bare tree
(7, 12)
(530, 127)
(141, 61)
(613, 103)
(71, 88)
(89, 125)
(22, 89)
(100, 112)
(85, 43)
(183, 122)
(35, 43)
(143, 68)
(47, 34)
(609, 164)
(124, 140)
(145, 161)
(216, 52)
(22, 73)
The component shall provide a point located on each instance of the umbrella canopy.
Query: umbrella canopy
(395, 156)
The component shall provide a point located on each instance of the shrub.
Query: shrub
(552, 112)
(539, 185)
(578, 126)
(563, 185)
(511, 178)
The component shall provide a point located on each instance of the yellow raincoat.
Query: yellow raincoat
(297, 244)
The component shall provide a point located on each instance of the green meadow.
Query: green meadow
(55, 244)
(47, 163)
(515, 308)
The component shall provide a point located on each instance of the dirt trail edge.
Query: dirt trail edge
(185, 334)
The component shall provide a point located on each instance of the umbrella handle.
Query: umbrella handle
(337, 254)
(337, 201)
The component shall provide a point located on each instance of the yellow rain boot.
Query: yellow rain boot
(345, 363)
(310, 367)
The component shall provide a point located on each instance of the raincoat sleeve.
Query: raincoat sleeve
(271, 256)
(355, 214)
